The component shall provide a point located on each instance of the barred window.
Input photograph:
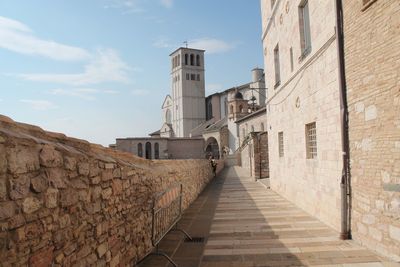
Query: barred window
(280, 143)
(311, 140)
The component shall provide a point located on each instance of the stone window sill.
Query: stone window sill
(367, 5)
(304, 54)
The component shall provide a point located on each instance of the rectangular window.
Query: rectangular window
(277, 66)
(198, 77)
(311, 140)
(187, 76)
(193, 77)
(291, 59)
(304, 26)
(280, 143)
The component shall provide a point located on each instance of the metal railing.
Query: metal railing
(166, 212)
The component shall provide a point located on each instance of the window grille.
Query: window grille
(311, 140)
(280, 143)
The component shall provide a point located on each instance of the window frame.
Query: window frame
(311, 140)
(277, 66)
(305, 29)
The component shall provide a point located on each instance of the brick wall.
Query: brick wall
(66, 202)
(372, 38)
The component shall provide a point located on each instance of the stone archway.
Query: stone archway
(212, 148)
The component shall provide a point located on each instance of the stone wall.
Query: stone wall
(308, 92)
(372, 38)
(66, 202)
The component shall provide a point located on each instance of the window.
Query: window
(179, 60)
(187, 76)
(280, 144)
(140, 150)
(311, 140)
(231, 109)
(277, 66)
(186, 59)
(168, 117)
(156, 151)
(197, 60)
(198, 77)
(252, 128)
(304, 26)
(191, 59)
(291, 59)
(193, 77)
(241, 109)
(148, 150)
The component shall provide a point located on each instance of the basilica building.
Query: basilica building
(198, 126)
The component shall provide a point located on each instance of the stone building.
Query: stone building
(157, 147)
(372, 64)
(188, 90)
(253, 144)
(303, 105)
(200, 126)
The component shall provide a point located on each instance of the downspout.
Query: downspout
(344, 119)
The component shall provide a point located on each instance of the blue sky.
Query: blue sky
(99, 69)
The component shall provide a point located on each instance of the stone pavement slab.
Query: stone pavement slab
(245, 225)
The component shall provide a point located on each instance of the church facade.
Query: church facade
(196, 126)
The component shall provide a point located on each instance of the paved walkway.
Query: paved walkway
(244, 224)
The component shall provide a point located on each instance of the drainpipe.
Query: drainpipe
(345, 179)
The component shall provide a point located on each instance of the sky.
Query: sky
(100, 69)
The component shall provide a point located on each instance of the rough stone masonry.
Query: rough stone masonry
(66, 202)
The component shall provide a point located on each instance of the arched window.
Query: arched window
(191, 59)
(241, 109)
(197, 60)
(186, 59)
(156, 151)
(168, 116)
(140, 150)
(262, 127)
(148, 150)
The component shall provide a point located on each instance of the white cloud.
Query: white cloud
(128, 6)
(18, 37)
(39, 104)
(140, 92)
(167, 3)
(162, 43)
(84, 93)
(212, 46)
(106, 66)
(110, 92)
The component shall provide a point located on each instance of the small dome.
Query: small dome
(238, 95)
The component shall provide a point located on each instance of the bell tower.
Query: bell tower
(188, 90)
